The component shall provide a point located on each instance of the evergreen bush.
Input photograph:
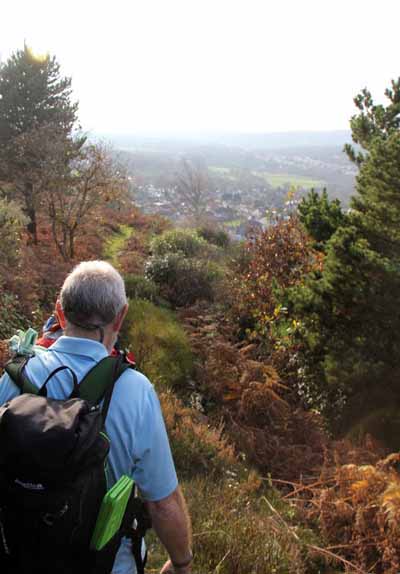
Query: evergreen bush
(140, 287)
(182, 280)
(214, 235)
(183, 241)
(321, 217)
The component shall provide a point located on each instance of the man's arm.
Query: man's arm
(172, 525)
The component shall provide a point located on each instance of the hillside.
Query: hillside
(262, 308)
(254, 463)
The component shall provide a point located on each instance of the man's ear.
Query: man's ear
(120, 318)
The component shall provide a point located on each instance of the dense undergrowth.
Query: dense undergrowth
(267, 487)
(240, 523)
(248, 415)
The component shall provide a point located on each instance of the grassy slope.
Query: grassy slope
(240, 524)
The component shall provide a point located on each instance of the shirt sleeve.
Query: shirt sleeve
(8, 389)
(154, 469)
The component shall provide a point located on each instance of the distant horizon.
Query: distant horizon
(255, 140)
(216, 132)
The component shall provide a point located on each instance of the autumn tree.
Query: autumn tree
(74, 195)
(274, 259)
(36, 110)
(191, 191)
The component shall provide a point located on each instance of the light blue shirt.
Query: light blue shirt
(135, 426)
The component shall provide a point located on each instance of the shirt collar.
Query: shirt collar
(80, 346)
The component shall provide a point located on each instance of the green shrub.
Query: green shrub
(12, 220)
(215, 236)
(183, 241)
(183, 281)
(140, 287)
(11, 316)
(159, 344)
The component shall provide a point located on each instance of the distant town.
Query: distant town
(246, 183)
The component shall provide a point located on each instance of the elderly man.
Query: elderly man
(94, 304)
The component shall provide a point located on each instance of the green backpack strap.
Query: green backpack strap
(95, 384)
(15, 370)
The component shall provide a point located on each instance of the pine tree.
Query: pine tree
(36, 114)
(320, 216)
(373, 121)
(33, 94)
(349, 314)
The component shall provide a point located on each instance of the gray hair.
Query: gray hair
(93, 294)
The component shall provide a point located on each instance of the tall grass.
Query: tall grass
(240, 524)
(159, 344)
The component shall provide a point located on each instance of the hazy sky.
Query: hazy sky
(230, 65)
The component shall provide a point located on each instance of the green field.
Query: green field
(234, 223)
(282, 179)
(225, 172)
(274, 179)
(220, 170)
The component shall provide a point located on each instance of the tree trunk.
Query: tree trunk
(30, 211)
(60, 245)
(71, 239)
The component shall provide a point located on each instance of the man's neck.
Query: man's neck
(92, 335)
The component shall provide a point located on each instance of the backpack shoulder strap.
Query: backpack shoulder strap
(95, 384)
(15, 370)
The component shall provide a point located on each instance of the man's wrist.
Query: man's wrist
(183, 563)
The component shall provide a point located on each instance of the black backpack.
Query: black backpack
(53, 456)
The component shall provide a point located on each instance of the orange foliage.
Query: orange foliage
(358, 511)
(273, 435)
(194, 442)
(278, 257)
(345, 488)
